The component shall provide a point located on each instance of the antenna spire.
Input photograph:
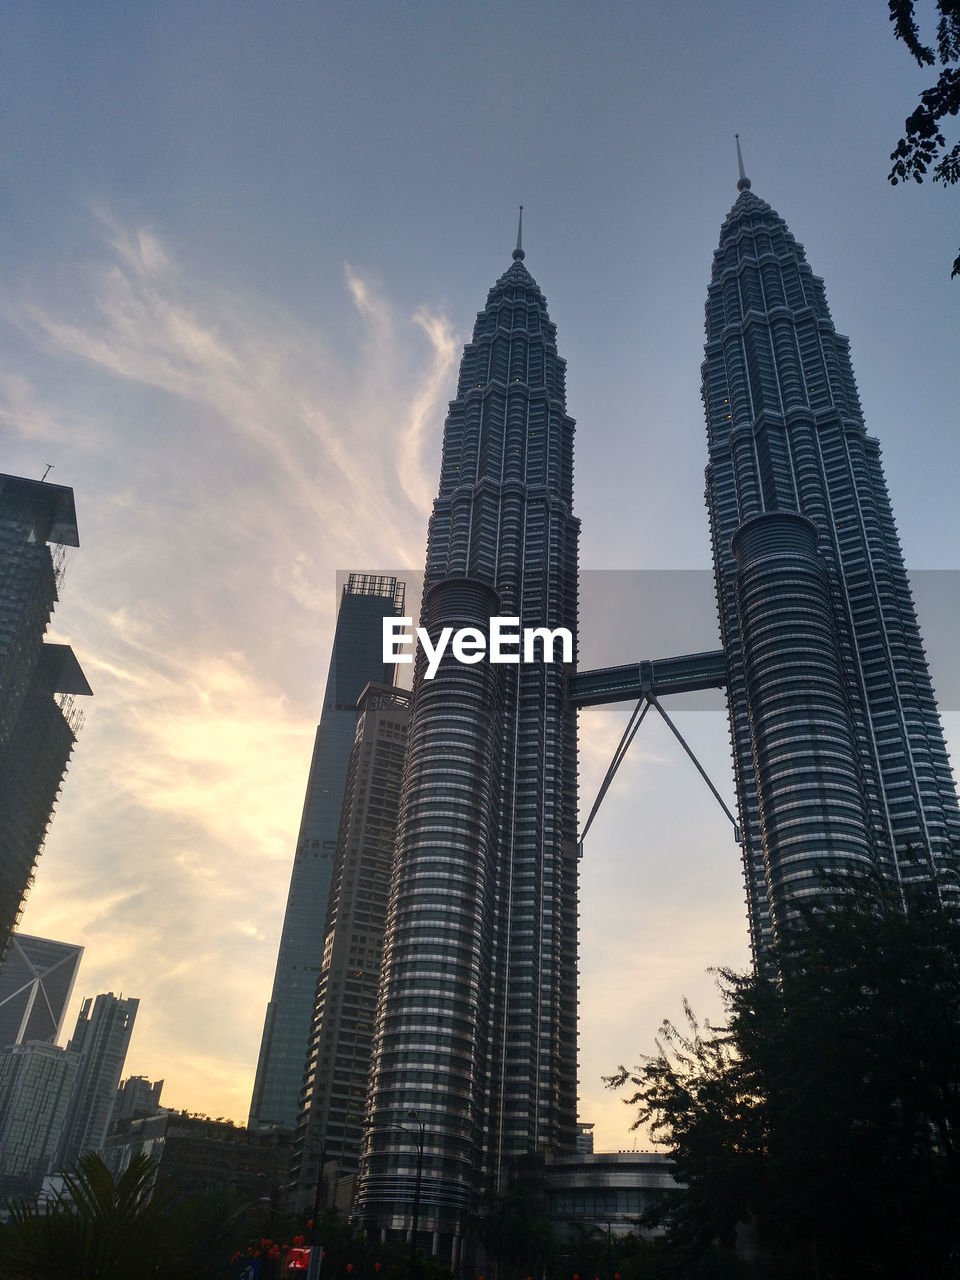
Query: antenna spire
(518, 254)
(744, 182)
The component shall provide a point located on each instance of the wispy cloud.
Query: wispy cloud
(201, 606)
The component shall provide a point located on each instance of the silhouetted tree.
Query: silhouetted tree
(515, 1234)
(97, 1228)
(827, 1110)
(923, 144)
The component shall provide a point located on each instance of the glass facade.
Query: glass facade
(476, 1027)
(357, 659)
(36, 982)
(838, 749)
(36, 1085)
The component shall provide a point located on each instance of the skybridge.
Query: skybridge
(647, 682)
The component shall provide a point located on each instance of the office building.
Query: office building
(330, 1129)
(36, 982)
(36, 1084)
(99, 1043)
(39, 683)
(357, 659)
(195, 1155)
(474, 1060)
(838, 750)
(137, 1097)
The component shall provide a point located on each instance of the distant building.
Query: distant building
(38, 682)
(194, 1154)
(584, 1139)
(36, 982)
(99, 1043)
(36, 1085)
(137, 1097)
(338, 1066)
(357, 659)
(609, 1190)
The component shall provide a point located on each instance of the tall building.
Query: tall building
(357, 659)
(475, 1040)
(838, 750)
(36, 1084)
(39, 682)
(330, 1129)
(99, 1043)
(36, 982)
(194, 1155)
(137, 1097)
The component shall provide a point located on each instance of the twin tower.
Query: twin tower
(838, 750)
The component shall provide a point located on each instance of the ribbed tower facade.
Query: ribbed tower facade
(475, 1038)
(330, 1129)
(838, 749)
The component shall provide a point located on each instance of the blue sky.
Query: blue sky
(241, 247)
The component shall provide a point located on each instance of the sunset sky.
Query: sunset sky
(242, 245)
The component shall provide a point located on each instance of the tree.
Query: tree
(826, 1111)
(516, 1234)
(96, 1227)
(923, 144)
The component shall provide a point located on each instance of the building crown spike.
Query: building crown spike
(518, 254)
(744, 182)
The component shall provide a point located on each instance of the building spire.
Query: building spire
(518, 254)
(744, 182)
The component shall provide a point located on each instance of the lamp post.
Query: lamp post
(316, 1249)
(418, 1139)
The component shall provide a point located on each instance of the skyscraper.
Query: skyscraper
(36, 982)
(99, 1043)
(357, 658)
(335, 1084)
(38, 682)
(838, 750)
(476, 1027)
(36, 1085)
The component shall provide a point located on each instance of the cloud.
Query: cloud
(268, 387)
(22, 413)
(223, 448)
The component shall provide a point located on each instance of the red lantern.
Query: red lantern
(349, 1266)
(376, 1267)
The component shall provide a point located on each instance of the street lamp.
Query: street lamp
(418, 1139)
(316, 1248)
